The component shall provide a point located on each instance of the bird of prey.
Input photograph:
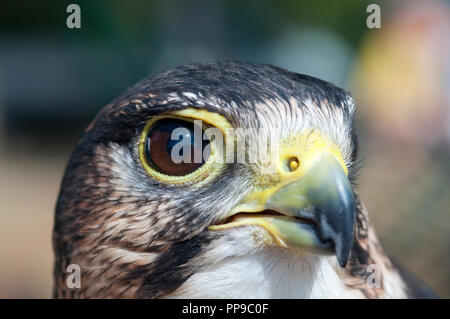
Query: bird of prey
(140, 224)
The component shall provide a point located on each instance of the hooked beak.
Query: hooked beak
(313, 212)
(323, 196)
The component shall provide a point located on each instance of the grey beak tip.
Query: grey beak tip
(342, 255)
(346, 242)
(339, 228)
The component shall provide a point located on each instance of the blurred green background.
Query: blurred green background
(53, 80)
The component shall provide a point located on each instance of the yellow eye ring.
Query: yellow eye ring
(211, 166)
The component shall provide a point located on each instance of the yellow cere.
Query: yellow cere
(293, 164)
(308, 148)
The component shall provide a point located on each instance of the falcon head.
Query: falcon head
(261, 203)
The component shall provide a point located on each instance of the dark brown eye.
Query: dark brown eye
(172, 148)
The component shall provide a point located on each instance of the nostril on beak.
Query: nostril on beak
(293, 163)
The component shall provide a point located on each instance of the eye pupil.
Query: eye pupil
(172, 153)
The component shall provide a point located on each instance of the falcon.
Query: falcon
(138, 222)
